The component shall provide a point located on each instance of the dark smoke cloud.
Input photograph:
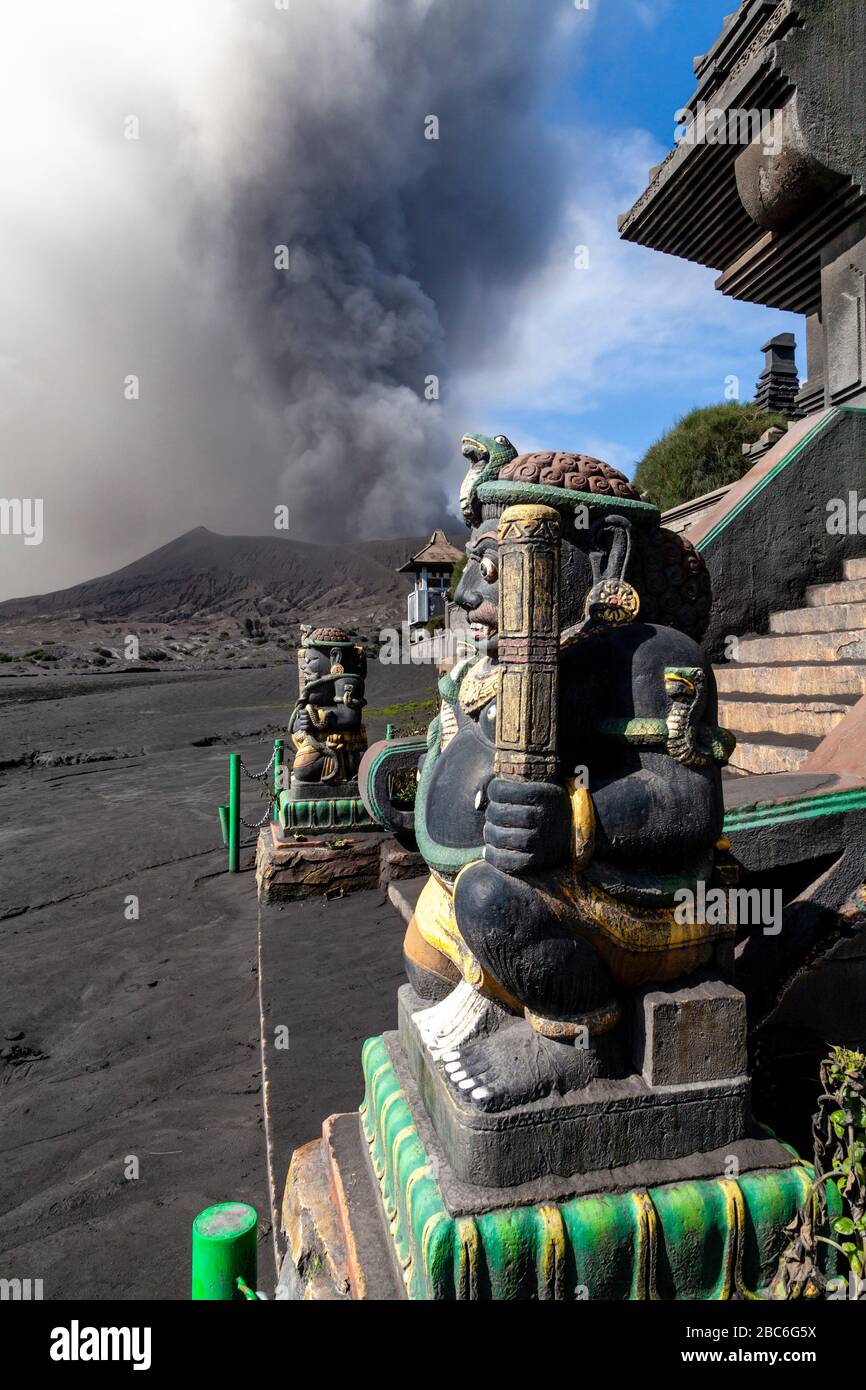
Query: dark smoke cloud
(260, 127)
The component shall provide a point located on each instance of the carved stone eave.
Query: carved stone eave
(739, 33)
(783, 269)
(691, 207)
(695, 207)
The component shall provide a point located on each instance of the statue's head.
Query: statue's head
(329, 652)
(608, 530)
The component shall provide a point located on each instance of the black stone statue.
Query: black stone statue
(571, 787)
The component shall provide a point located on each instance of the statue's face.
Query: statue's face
(478, 590)
(313, 664)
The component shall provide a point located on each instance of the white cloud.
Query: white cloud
(635, 323)
(650, 13)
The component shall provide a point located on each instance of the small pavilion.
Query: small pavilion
(432, 568)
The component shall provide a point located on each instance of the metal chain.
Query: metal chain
(272, 796)
(272, 801)
(257, 776)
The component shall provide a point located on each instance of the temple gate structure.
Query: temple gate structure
(767, 185)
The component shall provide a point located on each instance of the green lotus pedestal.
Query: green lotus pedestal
(344, 810)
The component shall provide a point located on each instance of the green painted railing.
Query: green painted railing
(230, 816)
(224, 1256)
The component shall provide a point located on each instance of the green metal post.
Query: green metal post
(234, 812)
(224, 1250)
(224, 823)
(389, 731)
(278, 767)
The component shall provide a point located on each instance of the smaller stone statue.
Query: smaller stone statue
(326, 725)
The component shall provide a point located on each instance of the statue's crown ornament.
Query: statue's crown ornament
(326, 637)
(499, 477)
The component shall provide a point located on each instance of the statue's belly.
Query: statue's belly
(453, 809)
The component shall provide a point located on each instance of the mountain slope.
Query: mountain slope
(203, 574)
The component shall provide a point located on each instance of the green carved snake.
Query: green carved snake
(486, 454)
(683, 734)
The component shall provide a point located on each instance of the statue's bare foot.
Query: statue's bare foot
(462, 1015)
(518, 1065)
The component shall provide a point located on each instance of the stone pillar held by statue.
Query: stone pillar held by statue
(526, 715)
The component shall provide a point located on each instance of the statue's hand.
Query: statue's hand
(527, 826)
(301, 723)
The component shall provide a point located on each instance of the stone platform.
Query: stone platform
(302, 864)
(372, 1210)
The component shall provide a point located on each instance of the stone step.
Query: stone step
(757, 714)
(846, 645)
(816, 681)
(404, 895)
(789, 689)
(849, 591)
(832, 617)
(762, 753)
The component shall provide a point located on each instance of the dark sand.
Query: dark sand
(351, 995)
(140, 1038)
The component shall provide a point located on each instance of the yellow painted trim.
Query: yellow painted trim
(468, 1259)
(636, 929)
(583, 824)
(437, 924)
(552, 1255)
(646, 1247)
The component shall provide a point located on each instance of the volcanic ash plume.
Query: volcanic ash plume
(238, 205)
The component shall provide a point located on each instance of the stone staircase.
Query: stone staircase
(787, 690)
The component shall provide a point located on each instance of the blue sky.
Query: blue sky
(638, 62)
(605, 359)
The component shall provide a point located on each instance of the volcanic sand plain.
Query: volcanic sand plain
(129, 1016)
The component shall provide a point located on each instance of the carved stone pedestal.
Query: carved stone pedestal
(656, 1185)
(335, 807)
(609, 1123)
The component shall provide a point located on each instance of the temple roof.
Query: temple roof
(692, 207)
(437, 551)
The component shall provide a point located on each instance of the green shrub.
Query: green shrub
(702, 451)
